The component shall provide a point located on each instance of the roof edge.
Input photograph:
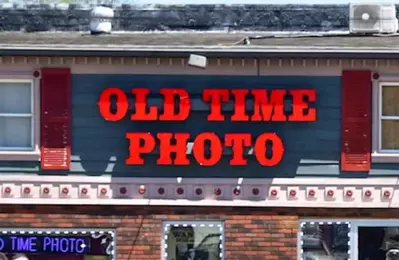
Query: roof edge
(326, 53)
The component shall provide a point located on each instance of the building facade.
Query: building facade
(69, 190)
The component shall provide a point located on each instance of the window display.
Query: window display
(56, 245)
(378, 243)
(193, 241)
(325, 241)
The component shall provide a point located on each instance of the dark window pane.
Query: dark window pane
(378, 243)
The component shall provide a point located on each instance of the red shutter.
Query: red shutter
(356, 120)
(55, 127)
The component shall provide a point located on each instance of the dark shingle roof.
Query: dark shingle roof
(201, 42)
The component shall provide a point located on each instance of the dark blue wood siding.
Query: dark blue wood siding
(100, 147)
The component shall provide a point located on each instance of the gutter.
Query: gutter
(210, 52)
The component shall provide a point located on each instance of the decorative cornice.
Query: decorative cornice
(279, 192)
(212, 62)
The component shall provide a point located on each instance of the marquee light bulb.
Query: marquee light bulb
(180, 191)
(255, 191)
(349, 193)
(237, 191)
(198, 191)
(161, 191)
(142, 189)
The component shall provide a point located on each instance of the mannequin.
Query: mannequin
(390, 243)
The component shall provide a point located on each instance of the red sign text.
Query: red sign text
(266, 106)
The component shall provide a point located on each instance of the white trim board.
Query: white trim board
(250, 181)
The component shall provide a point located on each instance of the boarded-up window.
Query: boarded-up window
(389, 125)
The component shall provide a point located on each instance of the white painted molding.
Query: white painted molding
(240, 192)
(108, 179)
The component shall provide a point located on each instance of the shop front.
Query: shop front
(125, 157)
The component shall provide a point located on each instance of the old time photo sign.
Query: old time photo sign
(268, 106)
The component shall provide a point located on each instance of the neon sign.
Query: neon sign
(48, 244)
(84, 244)
(268, 106)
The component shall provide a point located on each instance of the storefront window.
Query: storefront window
(193, 241)
(378, 243)
(325, 240)
(56, 245)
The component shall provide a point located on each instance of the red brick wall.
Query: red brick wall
(250, 234)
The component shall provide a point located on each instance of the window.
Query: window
(378, 242)
(56, 245)
(193, 241)
(353, 239)
(389, 118)
(325, 240)
(18, 119)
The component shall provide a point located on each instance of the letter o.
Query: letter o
(104, 104)
(78, 246)
(260, 149)
(199, 149)
(1, 244)
(64, 245)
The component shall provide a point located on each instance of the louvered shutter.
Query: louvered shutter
(356, 120)
(55, 130)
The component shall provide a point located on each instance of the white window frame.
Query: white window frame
(167, 224)
(380, 155)
(354, 224)
(23, 153)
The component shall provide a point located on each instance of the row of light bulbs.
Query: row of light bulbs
(198, 191)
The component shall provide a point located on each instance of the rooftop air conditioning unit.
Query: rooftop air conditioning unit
(368, 18)
(101, 20)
